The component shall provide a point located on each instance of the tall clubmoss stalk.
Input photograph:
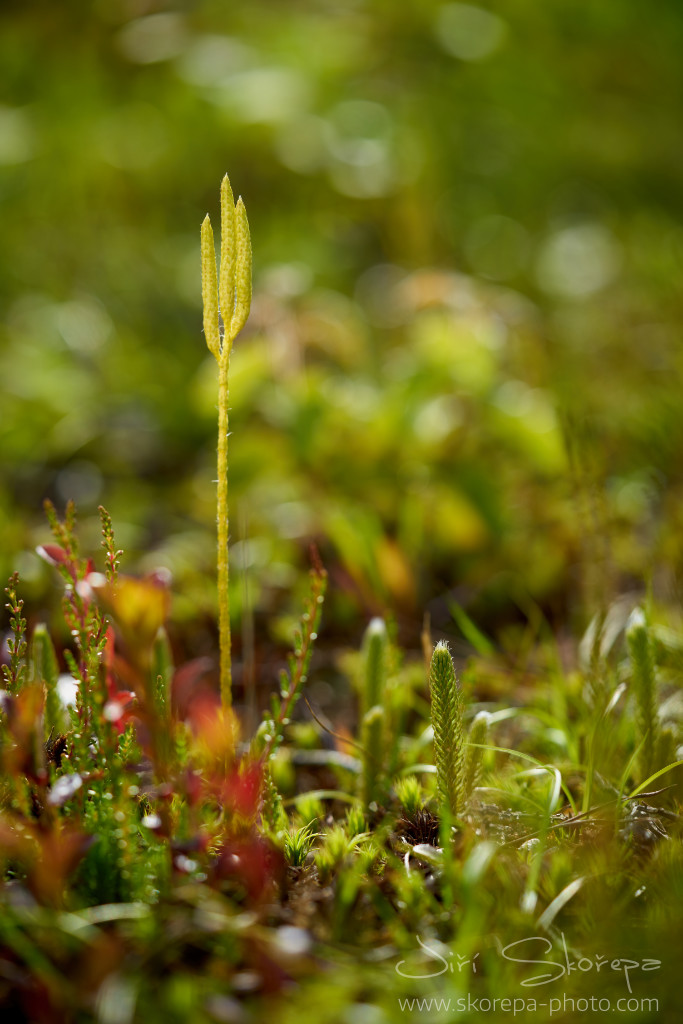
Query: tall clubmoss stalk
(223, 524)
(447, 722)
(227, 301)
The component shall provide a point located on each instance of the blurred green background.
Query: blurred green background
(462, 372)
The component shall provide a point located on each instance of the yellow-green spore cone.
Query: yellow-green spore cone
(210, 290)
(226, 288)
(242, 271)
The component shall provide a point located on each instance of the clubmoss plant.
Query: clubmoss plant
(477, 736)
(227, 301)
(298, 843)
(335, 848)
(447, 722)
(355, 821)
(374, 718)
(640, 649)
(162, 674)
(410, 795)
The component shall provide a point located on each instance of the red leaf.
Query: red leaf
(188, 683)
(252, 861)
(241, 790)
(52, 553)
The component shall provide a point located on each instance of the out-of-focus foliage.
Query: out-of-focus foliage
(154, 867)
(464, 349)
(461, 377)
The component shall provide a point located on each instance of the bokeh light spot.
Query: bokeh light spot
(468, 32)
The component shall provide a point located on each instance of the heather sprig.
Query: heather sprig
(14, 674)
(113, 556)
(88, 628)
(270, 732)
(64, 532)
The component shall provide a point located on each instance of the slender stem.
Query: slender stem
(223, 531)
(292, 682)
